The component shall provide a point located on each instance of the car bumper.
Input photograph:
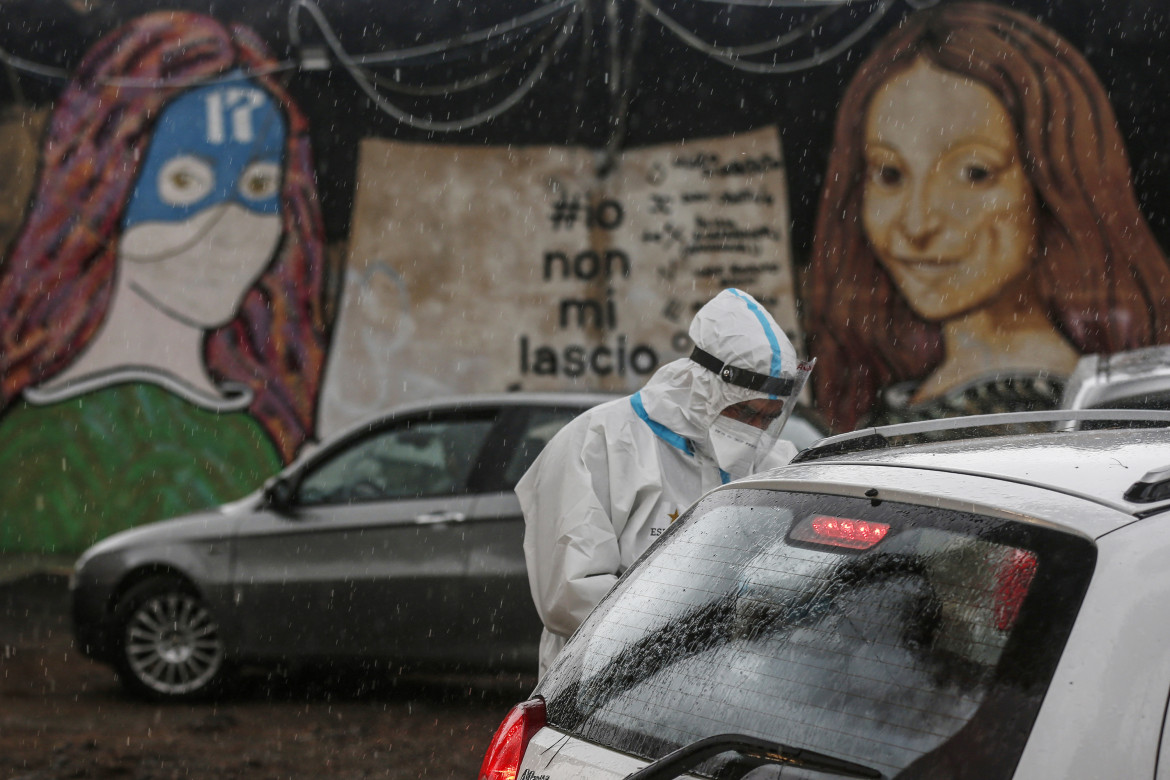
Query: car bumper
(91, 616)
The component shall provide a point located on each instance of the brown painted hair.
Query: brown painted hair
(1099, 270)
(57, 281)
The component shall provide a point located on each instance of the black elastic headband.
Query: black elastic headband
(743, 377)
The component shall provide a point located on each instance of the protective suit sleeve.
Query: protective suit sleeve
(570, 540)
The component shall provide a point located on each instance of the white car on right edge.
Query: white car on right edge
(994, 607)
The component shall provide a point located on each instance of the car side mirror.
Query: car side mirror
(279, 494)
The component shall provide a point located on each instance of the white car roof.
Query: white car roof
(1073, 480)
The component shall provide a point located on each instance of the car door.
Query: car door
(499, 621)
(368, 558)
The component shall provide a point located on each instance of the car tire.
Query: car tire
(168, 642)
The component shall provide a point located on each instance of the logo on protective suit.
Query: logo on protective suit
(656, 532)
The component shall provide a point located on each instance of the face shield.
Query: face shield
(771, 433)
(744, 437)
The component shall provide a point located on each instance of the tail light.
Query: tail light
(506, 751)
(844, 532)
(1012, 580)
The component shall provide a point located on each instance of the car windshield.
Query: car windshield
(915, 640)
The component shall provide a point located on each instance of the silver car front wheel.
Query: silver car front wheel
(170, 642)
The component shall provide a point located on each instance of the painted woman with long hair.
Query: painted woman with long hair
(163, 321)
(979, 212)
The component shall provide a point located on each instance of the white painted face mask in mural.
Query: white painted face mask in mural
(735, 445)
(197, 270)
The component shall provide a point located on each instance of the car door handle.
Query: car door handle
(431, 518)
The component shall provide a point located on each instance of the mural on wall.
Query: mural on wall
(556, 278)
(934, 199)
(162, 316)
(979, 200)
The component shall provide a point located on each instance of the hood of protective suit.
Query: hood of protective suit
(733, 327)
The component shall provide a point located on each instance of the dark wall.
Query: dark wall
(675, 92)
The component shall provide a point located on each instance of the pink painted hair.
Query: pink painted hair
(57, 281)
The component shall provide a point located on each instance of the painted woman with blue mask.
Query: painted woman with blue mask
(162, 311)
(200, 228)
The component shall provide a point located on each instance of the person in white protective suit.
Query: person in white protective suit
(614, 479)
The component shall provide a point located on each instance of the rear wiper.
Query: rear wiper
(760, 751)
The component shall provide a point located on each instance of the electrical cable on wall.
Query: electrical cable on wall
(547, 28)
(33, 68)
(64, 76)
(438, 90)
(443, 47)
(732, 57)
(621, 80)
(357, 73)
(493, 36)
(581, 75)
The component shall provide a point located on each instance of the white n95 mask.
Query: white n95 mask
(734, 445)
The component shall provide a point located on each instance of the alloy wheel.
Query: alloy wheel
(172, 644)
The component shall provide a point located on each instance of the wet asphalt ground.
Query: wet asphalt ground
(63, 716)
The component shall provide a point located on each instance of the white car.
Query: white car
(1135, 379)
(989, 608)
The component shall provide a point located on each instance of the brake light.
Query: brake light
(506, 751)
(1012, 580)
(844, 532)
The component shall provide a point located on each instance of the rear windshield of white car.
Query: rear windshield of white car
(915, 641)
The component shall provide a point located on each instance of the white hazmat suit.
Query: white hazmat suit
(614, 479)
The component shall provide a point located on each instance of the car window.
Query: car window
(900, 637)
(1151, 401)
(1156, 401)
(417, 459)
(539, 428)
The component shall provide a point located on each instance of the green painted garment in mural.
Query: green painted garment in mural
(78, 470)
